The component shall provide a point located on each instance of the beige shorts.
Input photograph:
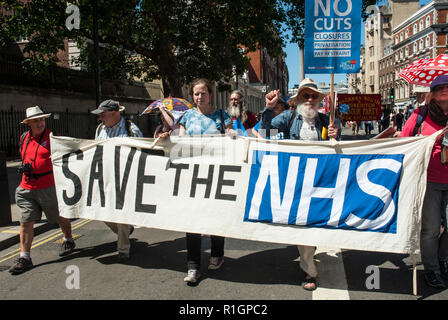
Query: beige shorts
(32, 202)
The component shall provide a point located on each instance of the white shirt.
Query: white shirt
(308, 132)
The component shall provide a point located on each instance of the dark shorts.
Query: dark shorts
(32, 202)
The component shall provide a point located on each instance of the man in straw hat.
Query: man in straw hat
(305, 123)
(36, 192)
(114, 125)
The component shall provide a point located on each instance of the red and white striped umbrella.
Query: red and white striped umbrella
(424, 71)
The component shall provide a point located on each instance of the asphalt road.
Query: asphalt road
(252, 271)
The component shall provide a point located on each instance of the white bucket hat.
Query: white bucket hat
(421, 89)
(35, 113)
(307, 83)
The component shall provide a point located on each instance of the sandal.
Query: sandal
(310, 283)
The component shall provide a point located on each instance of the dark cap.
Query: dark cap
(440, 80)
(107, 105)
(283, 102)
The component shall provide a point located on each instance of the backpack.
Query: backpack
(422, 113)
(128, 128)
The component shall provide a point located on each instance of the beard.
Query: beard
(306, 112)
(234, 111)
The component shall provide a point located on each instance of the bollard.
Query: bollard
(5, 205)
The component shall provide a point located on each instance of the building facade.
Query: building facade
(268, 73)
(423, 35)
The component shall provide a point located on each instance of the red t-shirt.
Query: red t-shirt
(437, 172)
(41, 164)
(251, 120)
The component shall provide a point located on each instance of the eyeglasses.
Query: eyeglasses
(306, 96)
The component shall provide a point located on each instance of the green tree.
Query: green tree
(175, 40)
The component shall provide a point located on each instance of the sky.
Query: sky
(293, 60)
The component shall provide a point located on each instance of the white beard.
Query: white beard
(305, 112)
(234, 112)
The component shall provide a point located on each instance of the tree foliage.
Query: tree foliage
(175, 40)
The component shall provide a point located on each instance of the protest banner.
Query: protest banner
(361, 107)
(363, 195)
(332, 36)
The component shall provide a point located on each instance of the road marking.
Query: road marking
(12, 231)
(43, 240)
(332, 283)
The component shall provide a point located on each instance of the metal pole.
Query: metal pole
(302, 63)
(97, 56)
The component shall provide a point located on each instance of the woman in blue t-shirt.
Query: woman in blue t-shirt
(203, 119)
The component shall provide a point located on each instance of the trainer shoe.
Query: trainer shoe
(123, 256)
(21, 265)
(433, 279)
(67, 247)
(444, 269)
(215, 263)
(192, 276)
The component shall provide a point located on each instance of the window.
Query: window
(421, 44)
(428, 21)
(401, 36)
(421, 25)
(427, 42)
(396, 39)
(415, 47)
(415, 28)
(406, 34)
(406, 52)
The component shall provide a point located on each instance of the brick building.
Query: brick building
(422, 35)
(268, 73)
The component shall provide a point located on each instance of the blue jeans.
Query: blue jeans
(434, 248)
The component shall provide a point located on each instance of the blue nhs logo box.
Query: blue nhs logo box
(352, 192)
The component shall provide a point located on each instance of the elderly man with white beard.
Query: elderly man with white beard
(243, 119)
(304, 123)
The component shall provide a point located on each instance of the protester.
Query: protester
(338, 122)
(243, 119)
(433, 245)
(368, 127)
(280, 106)
(399, 119)
(36, 192)
(307, 124)
(421, 93)
(167, 125)
(114, 125)
(203, 119)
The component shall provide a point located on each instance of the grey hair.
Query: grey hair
(238, 92)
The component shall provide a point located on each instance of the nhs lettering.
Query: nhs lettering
(354, 192)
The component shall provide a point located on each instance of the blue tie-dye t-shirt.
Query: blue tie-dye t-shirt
(196, 123)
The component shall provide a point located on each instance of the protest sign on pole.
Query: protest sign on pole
(332, 39)
(332, 36)
(361, 107)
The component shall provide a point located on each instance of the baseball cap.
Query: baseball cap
(107, 105)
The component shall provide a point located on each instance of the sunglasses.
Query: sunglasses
(306, 96)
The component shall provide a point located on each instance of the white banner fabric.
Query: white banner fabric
(361, 195)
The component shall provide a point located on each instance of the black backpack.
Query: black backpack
(422, 113)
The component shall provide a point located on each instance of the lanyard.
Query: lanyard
(38, 144)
